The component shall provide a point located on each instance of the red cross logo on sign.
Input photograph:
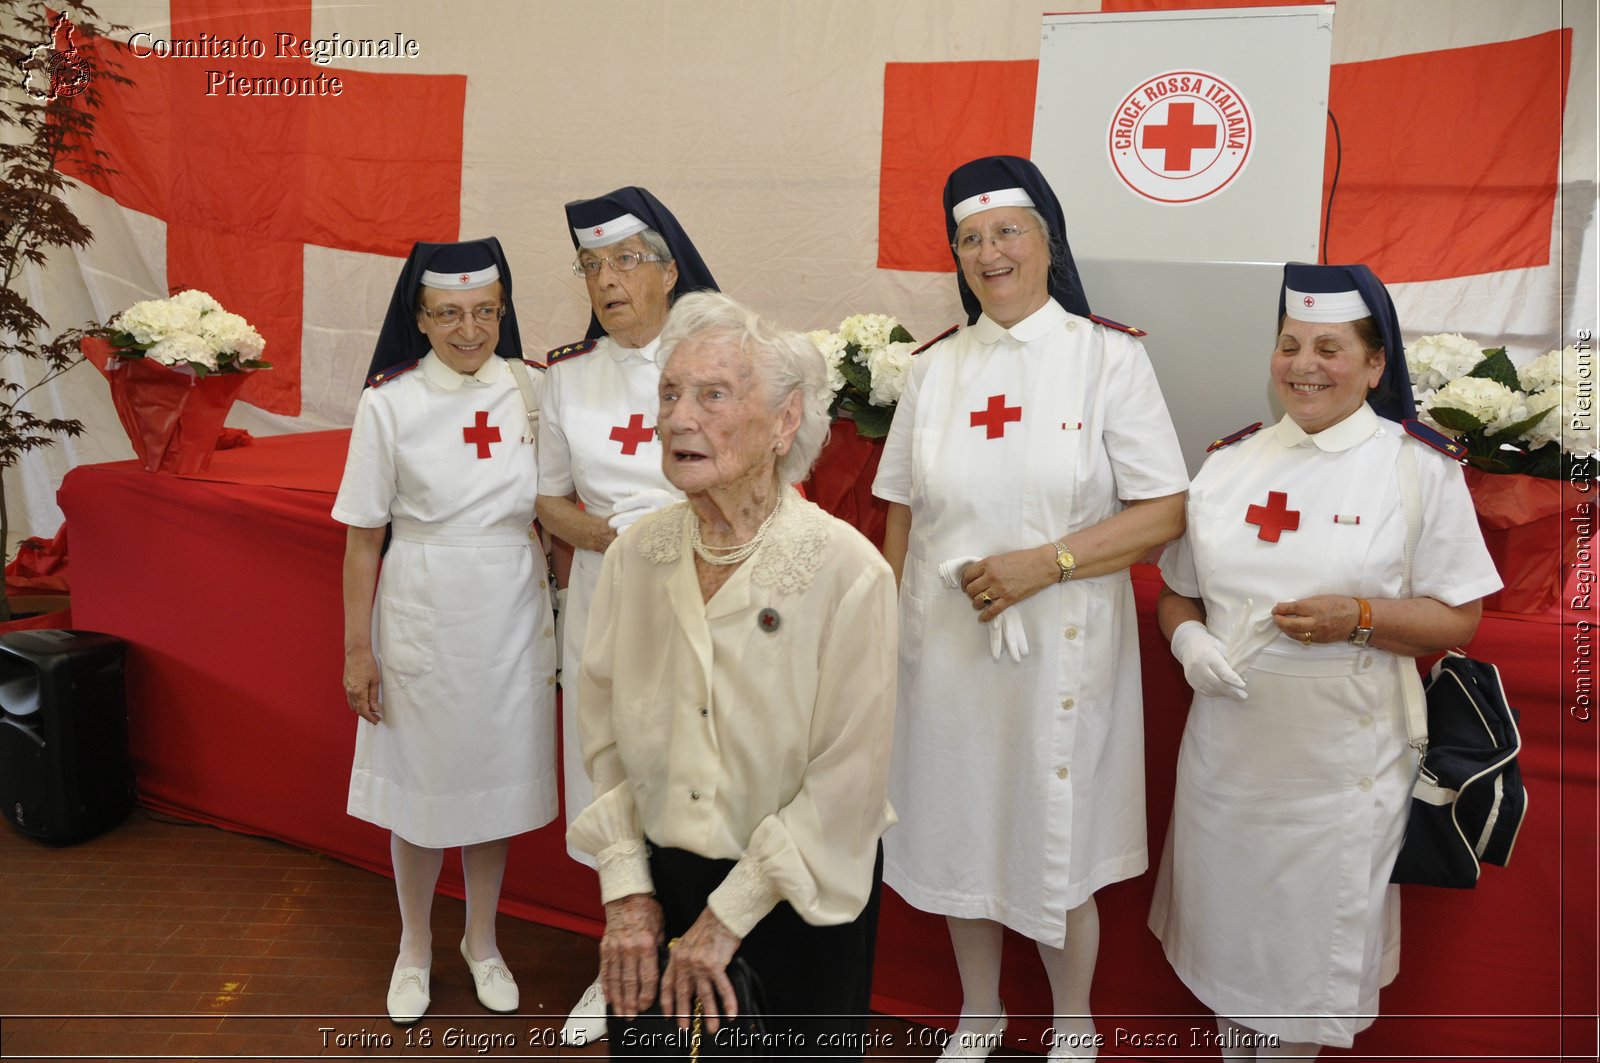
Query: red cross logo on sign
(1274, 518)
(481, 433)
(634, 433)
(993, 417)
(1179, 137)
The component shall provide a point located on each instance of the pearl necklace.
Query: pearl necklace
(730, 555)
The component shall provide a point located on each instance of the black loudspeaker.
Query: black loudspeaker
(64, 769)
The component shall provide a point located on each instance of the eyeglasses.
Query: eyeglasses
(1003, 238)
(626, 262)
(451, 316)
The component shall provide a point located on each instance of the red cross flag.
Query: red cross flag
(242, 169)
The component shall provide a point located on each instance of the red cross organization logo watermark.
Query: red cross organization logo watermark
(1181, 136)
(56, 70)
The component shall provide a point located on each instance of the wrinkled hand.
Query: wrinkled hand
(1007, 635)
(1326, 618)
(699, 968)
(1205, 666)
(629, 509)
(1006, 579)
(361, 685)
(629, 953)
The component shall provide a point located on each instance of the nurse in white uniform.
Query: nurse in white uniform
(1287, 606)
(1031, 461)
(597, 441)
(449, 653)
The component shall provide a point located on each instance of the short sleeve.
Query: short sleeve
(893, 482)
(367, 489)
(1452, 563)
(1177, 568)
(1139, 437)
(555, 456)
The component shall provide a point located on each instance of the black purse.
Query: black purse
(658, 1035)
(1468, 801)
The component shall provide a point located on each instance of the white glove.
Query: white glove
(1005, 630)
(1204, 665)
(629, 509)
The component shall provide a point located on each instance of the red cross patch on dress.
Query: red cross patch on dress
(1274, 518)
(632, 434)
(481, 433)
(993, 417)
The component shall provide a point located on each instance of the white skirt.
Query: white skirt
(1273, 900)
(465, 752)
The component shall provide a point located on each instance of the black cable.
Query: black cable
(1338, 159)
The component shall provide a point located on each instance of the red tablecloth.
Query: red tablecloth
(227, 589)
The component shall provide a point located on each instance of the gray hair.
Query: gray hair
(656, 244)
(783, 361)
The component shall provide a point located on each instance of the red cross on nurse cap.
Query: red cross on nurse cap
(596, 231)
(1321, 294)
(461, 267)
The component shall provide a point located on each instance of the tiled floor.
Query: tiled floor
(163, 939)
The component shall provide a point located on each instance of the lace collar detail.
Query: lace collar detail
(792, 555)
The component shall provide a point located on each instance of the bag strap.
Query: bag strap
(1411, 501)
(524, 381)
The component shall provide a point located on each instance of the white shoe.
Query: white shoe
(497, 990)
(974, 1044)
(587, 1023)
(408, 995)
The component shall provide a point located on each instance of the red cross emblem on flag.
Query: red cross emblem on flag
(1310, 301)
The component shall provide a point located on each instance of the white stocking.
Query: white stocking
(483, 866)
(416, 872)
(1071, 972)
(977, 944)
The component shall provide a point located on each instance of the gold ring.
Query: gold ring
(986, 600)
(1306, 638)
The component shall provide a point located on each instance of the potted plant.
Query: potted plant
(47, 110)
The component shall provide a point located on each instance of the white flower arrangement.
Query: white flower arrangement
(1512, 421)
(867, 361)
(189, 332)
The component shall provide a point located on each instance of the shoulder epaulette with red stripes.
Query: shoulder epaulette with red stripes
(531, 364)
(1436, 439)
(383, 376)
(951, 331)
(1229, 440)
(571, 350)
(1119, 326)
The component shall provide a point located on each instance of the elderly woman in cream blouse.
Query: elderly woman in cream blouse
(737, 704)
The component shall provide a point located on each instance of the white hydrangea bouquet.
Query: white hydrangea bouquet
(1512, 420)
(189, 332)
(867, 362)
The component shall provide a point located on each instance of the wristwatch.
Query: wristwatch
(1363, 632)
(1065, 560)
